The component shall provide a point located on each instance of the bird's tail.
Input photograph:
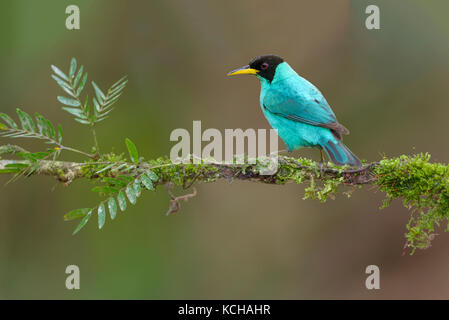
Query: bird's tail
(340, 154)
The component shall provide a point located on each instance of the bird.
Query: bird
(298, 110)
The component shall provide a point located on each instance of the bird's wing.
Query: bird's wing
(307, 106)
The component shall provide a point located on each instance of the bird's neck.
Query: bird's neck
(283, 71)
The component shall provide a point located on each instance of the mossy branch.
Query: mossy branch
(423, 186)
(182, 174)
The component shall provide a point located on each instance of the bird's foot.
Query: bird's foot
(322, 168)
(323, 165)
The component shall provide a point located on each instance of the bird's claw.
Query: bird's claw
(322, 168)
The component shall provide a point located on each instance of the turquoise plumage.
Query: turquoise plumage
(298, 110)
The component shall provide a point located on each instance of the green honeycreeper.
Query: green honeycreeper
(298, 110)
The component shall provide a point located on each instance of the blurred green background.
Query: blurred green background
(239, 240)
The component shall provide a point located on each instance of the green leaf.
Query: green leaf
(94, 112)
(59, 73)
(51, 129)
(64, 85)
(121, 201)
(75, 214)
(118, 89)
(110, 102)
(103, 114)
(131, 193)
(82, 121)
(152, 176)
(82, 84)
(82, 223)
(137, 188)
(128, 179)
(14, 167)
(128, 168)
(70, 93)
(105, 110)
(18, 166)
(56, 154)
(26, 121)
(75, 111)
(134, 155)
(72, 68)
(100, 95)
(78, 77)
(59, 133)
(32, 169)
(12, 170)
(112, 205)
(120, 168)
(69, 101)
(10, 122)
(41, 124)
(86, 102)
(3, 126)
(33, 156)
(101, 216)
(100, 119)
(115, 182)
(106, 168)
(96, 104)
(118, 82)
(146, 181)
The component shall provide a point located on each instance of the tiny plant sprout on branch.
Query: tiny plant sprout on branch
(423, 186)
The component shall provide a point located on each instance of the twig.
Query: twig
(175, 204)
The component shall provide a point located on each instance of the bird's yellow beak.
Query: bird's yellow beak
(243, 70)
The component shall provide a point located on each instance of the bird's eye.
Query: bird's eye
(264, 66)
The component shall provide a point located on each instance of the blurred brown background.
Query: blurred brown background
(239, 240)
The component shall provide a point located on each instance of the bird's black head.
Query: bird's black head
(264, 66)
